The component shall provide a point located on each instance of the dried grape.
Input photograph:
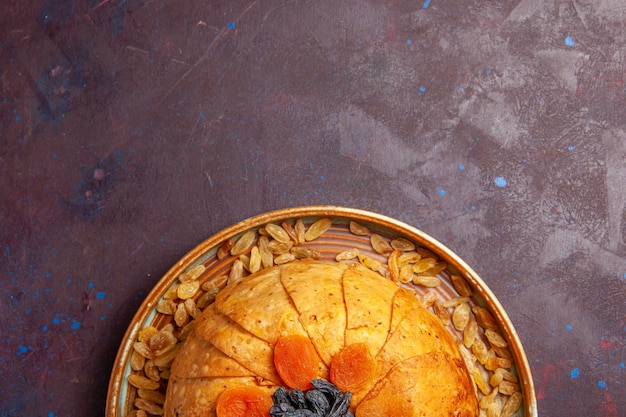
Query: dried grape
(148, 406)
(511, 405)
(318, 228)
(142, 382)
(151, 371)
(402, 244)
(300, 230)
(291, 231)
(188, 289)
(278, 233)
(484, 318)
(424, 264)
(427, 281)
(243, 243)
(347, 254)
(137, 361)
(151, 395)
(192, 274)
(255, 260)
(166, 307)
(460, 285)
(495, 339)
(379, 244)
(358, 229)
(460, 316)
(494, 363)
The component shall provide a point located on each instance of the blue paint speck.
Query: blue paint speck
(231, 25)
(22, 349)
(76, 325)
(44, 328)
(500, 182)
(50, 414)
(409, 41)
(56, 320)
(442, 192)
(621, 365)
(422, 89)
(569, 327)
(569, 41)
(601, 384)
(574, 374)
(90, 285)
(18, 118)
(426, 4)
(100, 295)
(570, 148)
(462, 167)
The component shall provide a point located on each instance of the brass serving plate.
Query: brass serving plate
(337, 239)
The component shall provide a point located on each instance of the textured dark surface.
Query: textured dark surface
(132, 130)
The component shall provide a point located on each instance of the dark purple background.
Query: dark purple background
(133, 130)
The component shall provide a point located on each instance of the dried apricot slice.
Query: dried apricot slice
(243, 401)
(352, 367)
(296, 361)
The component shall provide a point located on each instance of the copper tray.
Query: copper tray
(337, 239)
